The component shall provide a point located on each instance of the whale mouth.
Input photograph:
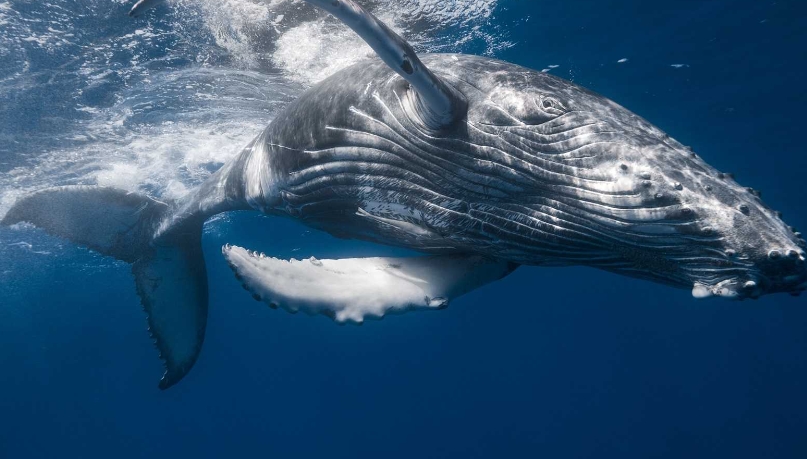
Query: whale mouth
(733, 289)
(737, 289)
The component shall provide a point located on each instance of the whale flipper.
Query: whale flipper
(431, 100)
(350, 290)
(169, 273)
(143, 5)
(436, 103)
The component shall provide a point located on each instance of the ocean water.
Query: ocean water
(552, 362)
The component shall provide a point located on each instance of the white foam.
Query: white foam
(117, 148)
(311, 49)
(164, 150)
(235, 23)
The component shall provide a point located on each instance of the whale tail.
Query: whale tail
(169, 270)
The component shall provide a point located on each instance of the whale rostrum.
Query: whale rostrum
(480, 165)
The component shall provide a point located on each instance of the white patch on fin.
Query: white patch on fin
(353, 289)
(723, 289)
(700, 291)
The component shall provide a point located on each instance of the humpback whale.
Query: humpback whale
(480, 165)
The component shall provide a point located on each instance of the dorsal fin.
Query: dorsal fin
(436, 104)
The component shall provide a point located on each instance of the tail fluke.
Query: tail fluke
(109, 221)
(172, 285)
(169, 272)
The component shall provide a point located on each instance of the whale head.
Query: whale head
(622, 195)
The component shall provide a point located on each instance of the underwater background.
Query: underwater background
(552, 362)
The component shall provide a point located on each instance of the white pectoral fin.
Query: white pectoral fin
(353, 289)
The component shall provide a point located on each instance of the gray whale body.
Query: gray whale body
(540, 172)
(482, 165)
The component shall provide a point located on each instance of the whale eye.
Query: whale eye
(551, 105)
(508, 106)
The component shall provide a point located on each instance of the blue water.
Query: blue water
(556, 363)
